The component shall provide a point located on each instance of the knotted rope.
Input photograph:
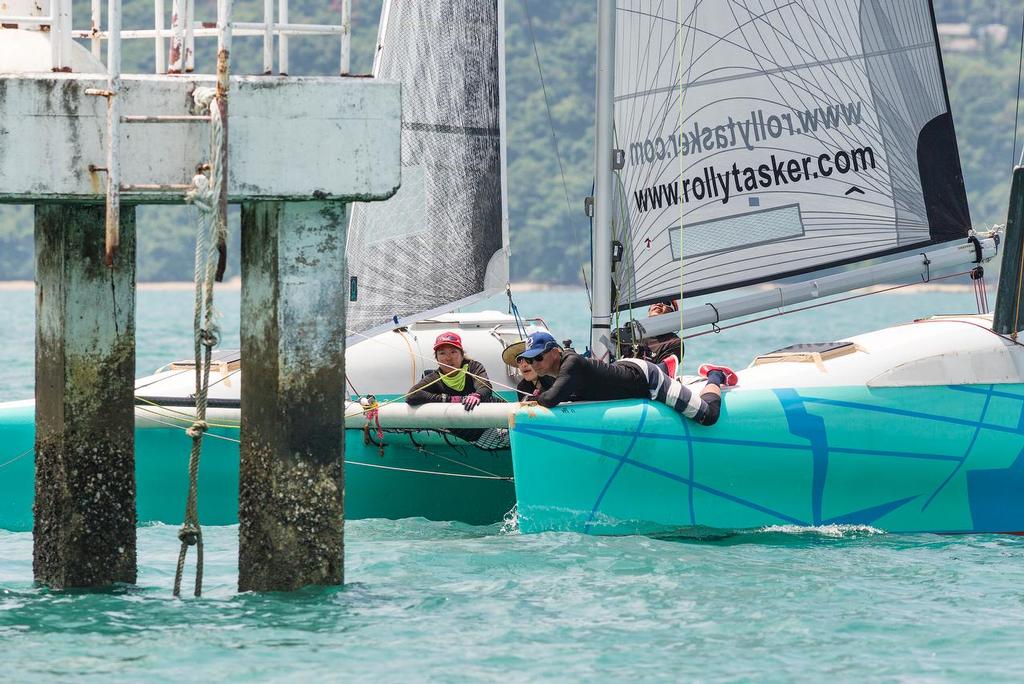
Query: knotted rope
(210, 232)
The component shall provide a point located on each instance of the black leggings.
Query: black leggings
(708, 414)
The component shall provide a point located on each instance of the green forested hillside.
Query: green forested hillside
(550, 234)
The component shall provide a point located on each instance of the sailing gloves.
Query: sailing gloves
(470, 401)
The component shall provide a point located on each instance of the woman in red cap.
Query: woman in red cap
(457, 380)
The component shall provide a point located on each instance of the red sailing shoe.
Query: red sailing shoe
(671, 365)
(730, 375)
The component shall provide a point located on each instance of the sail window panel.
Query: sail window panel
(835, 111)
(742, 230)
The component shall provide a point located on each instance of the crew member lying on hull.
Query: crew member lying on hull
(590, 380)
(457, 380)
(530, 384)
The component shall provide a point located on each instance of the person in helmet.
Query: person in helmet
(582, 379)
(458, 379)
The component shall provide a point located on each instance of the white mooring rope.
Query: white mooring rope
(210, 231)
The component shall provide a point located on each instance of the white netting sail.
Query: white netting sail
(440, 239)
(764, 139)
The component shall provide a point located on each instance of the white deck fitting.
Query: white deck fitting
(289, 138)
(941, 350)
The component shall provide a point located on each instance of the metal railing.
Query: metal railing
(184, 29)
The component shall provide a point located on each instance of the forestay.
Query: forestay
(441, 241)
(783, 137)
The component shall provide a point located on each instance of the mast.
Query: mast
(601, 240)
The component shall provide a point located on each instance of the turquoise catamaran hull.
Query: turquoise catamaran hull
(902, 459)
(437, 481)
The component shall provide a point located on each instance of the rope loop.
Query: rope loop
(927, 277)
(976, 243)
(189, 535)
(201, 195)
(197, 429)
(211, 231)
(718, 317)
(210, 337)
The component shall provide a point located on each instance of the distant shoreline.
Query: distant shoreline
(236, 284)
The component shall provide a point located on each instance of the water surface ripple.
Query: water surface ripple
(429, 600)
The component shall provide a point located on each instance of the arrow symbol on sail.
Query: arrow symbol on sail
(648, 242)
(854, 189)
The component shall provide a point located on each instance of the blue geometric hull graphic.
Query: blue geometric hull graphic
(908, 459)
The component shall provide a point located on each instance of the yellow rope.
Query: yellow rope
(183, 416)
(430, 360)
(412, 356)
(682, 168)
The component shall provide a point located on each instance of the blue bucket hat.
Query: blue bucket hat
(537, 344)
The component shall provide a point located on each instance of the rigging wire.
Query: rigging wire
(554, 138)
(486, 476)
(429, 360)
(514, 310)
(1016, 115)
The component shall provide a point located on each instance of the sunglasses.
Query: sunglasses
(532, 361)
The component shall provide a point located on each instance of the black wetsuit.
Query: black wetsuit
(589, 380)
(581, 379)
(432, 390)
(526, 388)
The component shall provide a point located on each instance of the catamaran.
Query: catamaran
(733, 148)
(747, 144)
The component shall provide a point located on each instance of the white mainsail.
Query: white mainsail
(768, 139)
(442, 240)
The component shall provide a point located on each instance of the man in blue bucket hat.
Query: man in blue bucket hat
(585, 379)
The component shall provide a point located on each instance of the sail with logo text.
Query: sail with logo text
(442, 241)
(766, 140)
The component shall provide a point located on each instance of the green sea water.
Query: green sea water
(448, 602)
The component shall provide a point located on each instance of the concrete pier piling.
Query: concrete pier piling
(84, 534)
(65, 151)
(291, 512)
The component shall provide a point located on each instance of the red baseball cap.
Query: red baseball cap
(449, 338)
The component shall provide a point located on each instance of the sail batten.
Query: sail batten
(442, 240)
(765, 141)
